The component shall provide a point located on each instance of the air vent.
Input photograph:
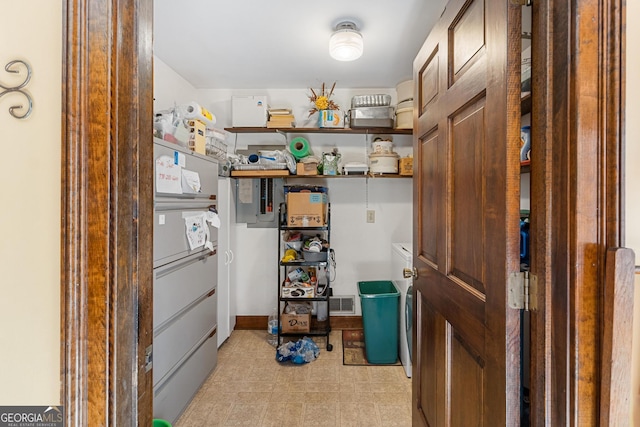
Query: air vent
(342, 304)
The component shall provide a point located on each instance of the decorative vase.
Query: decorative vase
(330, 119)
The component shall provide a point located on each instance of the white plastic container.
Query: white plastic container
(384, 163)
(405, 104)
(382, 147)
(272, 328)
(405, 90)
(249, 111)
(404, 118)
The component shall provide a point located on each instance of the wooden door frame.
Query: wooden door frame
(107, 212)
(577, 202)
(106, 270)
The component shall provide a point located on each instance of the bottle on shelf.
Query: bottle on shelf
(272, 328)
(313, 281)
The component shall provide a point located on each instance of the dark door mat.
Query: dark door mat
(353, 352)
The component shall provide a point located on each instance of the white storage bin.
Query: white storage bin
(384, 163)
(405, 90)
(404, 118)
(249, 111)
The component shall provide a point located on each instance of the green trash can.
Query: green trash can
(380, 301)
(161, 423)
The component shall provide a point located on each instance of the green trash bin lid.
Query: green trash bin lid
(161, 423)
(378, 289)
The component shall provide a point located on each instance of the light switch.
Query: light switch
(160, 219)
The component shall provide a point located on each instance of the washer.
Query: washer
(408, 316)
(401, 258)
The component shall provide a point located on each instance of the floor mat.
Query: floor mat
(353, 352)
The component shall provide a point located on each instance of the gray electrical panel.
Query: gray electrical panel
(258, 201)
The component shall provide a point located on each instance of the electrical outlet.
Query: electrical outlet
(371, 216)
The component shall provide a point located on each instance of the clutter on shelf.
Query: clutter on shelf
(281, 118)
(305, 255)
(382, 158)
(330, 162)
(191, 126)
(371, 111)
(305, 263)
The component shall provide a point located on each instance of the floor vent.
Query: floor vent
(343, 304)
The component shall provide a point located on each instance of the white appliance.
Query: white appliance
(249, 111)
(401, 258)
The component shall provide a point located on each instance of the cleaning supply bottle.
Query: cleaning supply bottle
(272, 328)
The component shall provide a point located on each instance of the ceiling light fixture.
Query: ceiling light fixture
(346, 42)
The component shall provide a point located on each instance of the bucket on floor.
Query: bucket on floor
(380, 316)
(161, 423)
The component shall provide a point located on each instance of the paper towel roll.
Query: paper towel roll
(195, 111)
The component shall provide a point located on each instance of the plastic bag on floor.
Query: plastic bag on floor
(302, 351)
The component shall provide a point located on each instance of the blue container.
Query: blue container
(380, 301)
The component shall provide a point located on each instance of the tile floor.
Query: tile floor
(250, 388)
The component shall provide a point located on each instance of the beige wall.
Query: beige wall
(30, 229)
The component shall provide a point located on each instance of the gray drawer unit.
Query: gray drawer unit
(172, 342)
(171, 396)
(185, 312)
(206, 167)
(178, 284)
(169, 230)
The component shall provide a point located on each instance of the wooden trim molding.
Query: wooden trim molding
(106, 271)
(73, 270)
(577, 204)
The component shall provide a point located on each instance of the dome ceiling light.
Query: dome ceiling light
(346, 42)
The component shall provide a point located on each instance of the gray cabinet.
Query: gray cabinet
(185, 260)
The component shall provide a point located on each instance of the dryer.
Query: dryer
(401, 258)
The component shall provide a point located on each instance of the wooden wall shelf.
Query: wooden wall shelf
(353, 131)
(284, 174)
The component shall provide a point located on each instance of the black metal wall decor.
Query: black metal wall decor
(16, 67)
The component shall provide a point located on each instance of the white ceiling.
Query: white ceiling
(281, 44)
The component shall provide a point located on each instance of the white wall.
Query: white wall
(30, 173)
(169, 88)
(362, 250)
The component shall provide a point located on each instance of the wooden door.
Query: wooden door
(466, 206)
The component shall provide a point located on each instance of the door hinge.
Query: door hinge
(522, 2)
(523, 291)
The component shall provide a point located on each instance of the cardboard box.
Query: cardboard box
(330, 119)
(405, 166)
(249, 111)
(306, 209)
(197, 140)
(295, 322)
(307, 168)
